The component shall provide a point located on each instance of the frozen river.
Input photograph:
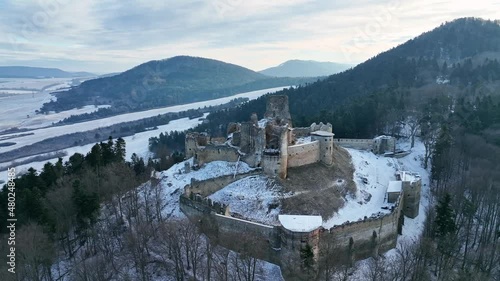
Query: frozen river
(137, 143)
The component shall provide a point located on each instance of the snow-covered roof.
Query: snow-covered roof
(323, 134)
(409, 176)
(300, 223)
(394, 186)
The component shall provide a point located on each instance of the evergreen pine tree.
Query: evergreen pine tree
(307, 257)
(119, 150)
(444, 223)
(440, 153)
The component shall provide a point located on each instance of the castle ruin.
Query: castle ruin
(274, 145)
(271, 143)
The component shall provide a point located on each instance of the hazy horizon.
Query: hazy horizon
(112, 36)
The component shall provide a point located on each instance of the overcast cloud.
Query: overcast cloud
(114, 35)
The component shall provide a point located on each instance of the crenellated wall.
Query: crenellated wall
(303, 154)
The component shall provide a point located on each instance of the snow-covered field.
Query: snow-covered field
(137, 144)
(45, 133)
(33, 84)
(43, 120)
(15, 109)
(16, 92)
(20, 98)
(255, 197)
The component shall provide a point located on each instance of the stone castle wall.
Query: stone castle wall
(303, 154)
(371, 235)
(262, 239)
(362, 144)
(231, 224)
(216, 153)
(271, 164)
(210, 186)
(301, 132)
(364, 238)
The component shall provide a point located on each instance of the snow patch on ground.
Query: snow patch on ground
(413, 228)
(442, 80)
(173, 182)
(372, 176)
(255, 198)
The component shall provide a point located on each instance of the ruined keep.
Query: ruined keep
(277, 109)
(271, 143)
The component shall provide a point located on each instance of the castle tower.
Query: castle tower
(325, 146)
(275, 155)
(277, 109)
(412, 185)
(190, 145)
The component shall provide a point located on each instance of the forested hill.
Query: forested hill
(176, 80)
(305, 68)
(38, 72)
(457, 56)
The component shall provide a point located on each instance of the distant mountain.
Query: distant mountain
(38, 72)
(305, 68)
(176, 80)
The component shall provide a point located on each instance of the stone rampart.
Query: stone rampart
(303, 154)
(371, 235)
(362, 144)
(363, 238)
(211, 153)
(261, 240)
(210, 186)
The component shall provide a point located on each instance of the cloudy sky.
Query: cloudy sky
(113, 35)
